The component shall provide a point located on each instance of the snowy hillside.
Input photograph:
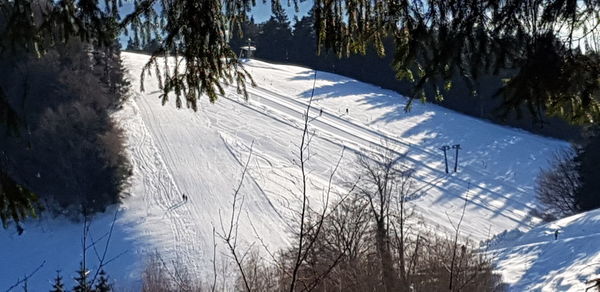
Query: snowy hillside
(536, 261)
(200, 154)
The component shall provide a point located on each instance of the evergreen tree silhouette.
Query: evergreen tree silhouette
(82, 282)
(58, 285)
(103, 285)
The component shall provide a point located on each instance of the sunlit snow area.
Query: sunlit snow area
(540, 261)
(201, 155)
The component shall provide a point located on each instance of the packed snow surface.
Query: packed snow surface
(201, 154)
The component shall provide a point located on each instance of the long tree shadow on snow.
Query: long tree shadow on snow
(552, 262)
(490, 152)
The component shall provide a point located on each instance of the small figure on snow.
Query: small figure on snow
(321, 112)
(556, 234)
(185, 198)
(346, 110)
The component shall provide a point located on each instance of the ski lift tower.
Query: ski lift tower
(247, 51)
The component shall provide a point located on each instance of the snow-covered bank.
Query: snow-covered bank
(538, 261)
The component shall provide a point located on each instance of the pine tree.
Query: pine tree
(277, 33)
(304, 42)
(103, 285)
(82, 282)
(16, 201)
(58, 285)
(132, 45)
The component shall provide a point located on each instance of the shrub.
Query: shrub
(557, 186)
(345, 258)
(158, 277)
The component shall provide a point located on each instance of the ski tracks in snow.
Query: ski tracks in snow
(358, 137)
(161, 195)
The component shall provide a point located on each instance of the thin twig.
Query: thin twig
(101, 260)
(456, 238)
(19, 282)
(214, 284)
(230, 237)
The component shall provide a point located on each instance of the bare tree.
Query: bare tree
(345, 244)
(384, 181)
(556, 187)
(334, 260)
(155, 276)
(473, 271)
(304, 144)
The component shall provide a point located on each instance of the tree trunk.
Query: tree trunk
(385, 256)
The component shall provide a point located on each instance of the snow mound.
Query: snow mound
(536, 261)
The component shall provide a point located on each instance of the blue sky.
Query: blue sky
(261, 13)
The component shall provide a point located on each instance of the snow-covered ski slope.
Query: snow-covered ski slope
(201, 154)
(538, 261)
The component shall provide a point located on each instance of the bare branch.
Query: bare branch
(303, 146)
(456, 234)
(27, 277)
(230, 237)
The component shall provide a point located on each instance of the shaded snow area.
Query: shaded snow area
(178, 152)
(538, 261)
